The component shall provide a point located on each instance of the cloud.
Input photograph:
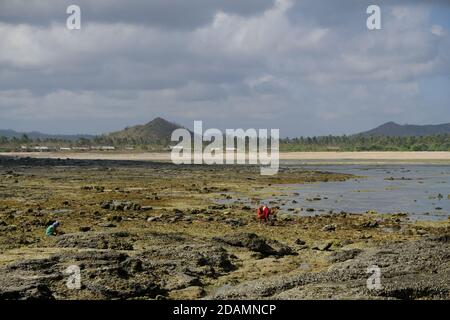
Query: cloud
(172, 14)
(302, 66)
(437, 30)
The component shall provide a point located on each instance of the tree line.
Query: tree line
(440, 142)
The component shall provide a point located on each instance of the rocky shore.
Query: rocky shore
(147, 230)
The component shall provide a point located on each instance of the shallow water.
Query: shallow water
(415, 189)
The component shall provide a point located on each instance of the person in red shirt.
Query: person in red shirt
(263, 213)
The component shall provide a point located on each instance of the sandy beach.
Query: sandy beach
(376, 156)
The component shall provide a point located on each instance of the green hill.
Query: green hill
(156, 132)
(392, 129)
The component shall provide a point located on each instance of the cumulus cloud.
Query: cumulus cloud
(171, 14)
(304, 67)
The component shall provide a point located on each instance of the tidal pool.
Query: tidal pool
(422, 191)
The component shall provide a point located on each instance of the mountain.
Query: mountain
(10, 134)
(157, 131)
(407, 130)
(39, 135)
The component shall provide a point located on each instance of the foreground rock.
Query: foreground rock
(120, 205)
(409, 270)
(160, 231)
(110, 274)
(107, 240)
(255, 243)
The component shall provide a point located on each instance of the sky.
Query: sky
(306, 67)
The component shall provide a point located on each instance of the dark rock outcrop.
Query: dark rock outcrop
(255, 243)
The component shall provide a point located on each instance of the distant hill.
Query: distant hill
(407, 130)
(39, 135)
(158, 131)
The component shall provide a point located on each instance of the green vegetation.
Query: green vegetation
(156, 136)
(25, 143)
(439, 142)
(324, 143)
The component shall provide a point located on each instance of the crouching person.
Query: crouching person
(263, 213)
(52, 230)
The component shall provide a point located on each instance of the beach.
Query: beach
(155, 230)
(375, 156)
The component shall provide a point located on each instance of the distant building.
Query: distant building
(104, 148)
(107, 148)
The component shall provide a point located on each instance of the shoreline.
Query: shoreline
(364, 156)
(167, 219)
